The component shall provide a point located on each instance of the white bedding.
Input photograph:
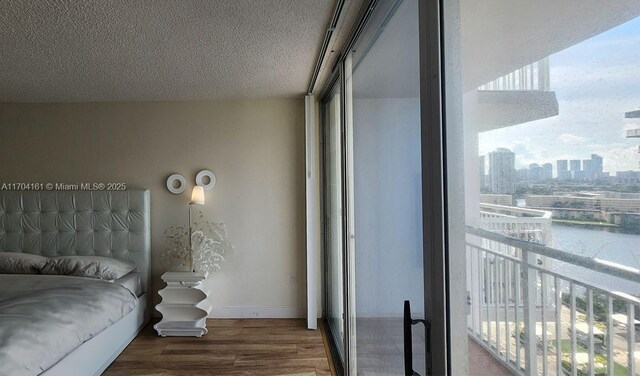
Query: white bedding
(45, 317)
(131, 282)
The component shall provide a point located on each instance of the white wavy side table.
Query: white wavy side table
(184, 306)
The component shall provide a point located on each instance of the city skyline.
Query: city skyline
(569, 163)
(595, 82)
(499, 175)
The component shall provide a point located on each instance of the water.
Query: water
(597, 242)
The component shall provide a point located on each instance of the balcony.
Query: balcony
(522, 223)
(633, 133)
(532, 77)
(521, 96)
(535, 320)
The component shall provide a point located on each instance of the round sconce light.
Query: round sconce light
(176, 184)
(206, 179)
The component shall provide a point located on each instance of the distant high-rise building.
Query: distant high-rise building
(535, 172)
(633, 133)
(562, 164)
(482, 172)
(596, 166)
(575, 169)
(563, 169)
(522, 174)
(547, 171)
(592, 168)
(574, 165)
(502, 171)
(587, 169)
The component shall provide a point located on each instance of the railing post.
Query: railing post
(591, 349)
(529, 297)
(631, 339)
(610, 336)
(543, 75)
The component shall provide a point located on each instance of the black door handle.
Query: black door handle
(408, 340)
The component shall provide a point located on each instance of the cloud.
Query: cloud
(595, 82)
(619, 157)
(571, 139)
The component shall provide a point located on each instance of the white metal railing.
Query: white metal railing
(633, 132)
(532, 77)
(540, 322)
(522, 223)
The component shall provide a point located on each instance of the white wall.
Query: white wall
(255, 147)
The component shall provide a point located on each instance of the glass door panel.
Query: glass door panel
(543, 178)
(334, 249)
(384, 190)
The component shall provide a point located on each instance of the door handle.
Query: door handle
(408, 322)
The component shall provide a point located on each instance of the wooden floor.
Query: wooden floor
(232, 347)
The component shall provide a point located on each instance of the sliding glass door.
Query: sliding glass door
(373, 198)
(481, 164)
(383, 75)
(333, 220)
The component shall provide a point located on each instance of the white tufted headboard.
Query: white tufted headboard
(99, 223)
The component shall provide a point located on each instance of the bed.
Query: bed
(69, 325)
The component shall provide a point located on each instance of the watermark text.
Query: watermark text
(57, 186)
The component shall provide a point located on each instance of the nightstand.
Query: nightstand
(184, 306)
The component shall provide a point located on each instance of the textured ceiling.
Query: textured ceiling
(128, 50)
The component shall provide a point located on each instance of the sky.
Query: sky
(596, 82)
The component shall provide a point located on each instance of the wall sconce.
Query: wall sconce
(201, 177)
(171, 184)
(209, 176)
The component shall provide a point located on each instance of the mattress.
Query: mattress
(43, 318)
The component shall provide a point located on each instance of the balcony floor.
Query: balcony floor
(380, 345)
(482, 363)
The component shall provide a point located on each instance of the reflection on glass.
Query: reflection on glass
(334, 222)
(383, 123)
(544, 98)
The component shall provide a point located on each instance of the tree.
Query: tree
(576, 204)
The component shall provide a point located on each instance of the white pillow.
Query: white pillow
(88, 266)
(20, 263)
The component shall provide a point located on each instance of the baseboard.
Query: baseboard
(271, 312)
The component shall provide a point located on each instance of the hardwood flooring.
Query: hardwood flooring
(232, 347)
